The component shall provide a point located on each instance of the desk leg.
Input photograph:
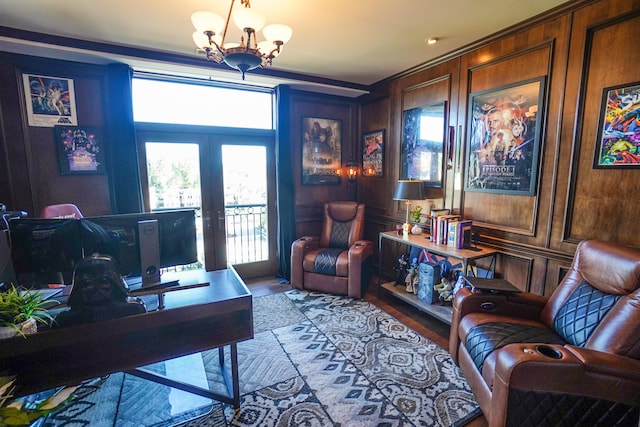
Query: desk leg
(379, 264)
(232, 384)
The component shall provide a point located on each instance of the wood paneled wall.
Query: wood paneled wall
(579, 50)
(29, 174)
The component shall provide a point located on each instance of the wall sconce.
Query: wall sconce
(368, 172)
(352, 171)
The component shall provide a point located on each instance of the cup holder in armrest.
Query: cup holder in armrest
(551, 352)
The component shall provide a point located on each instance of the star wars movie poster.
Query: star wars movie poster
(49, 101)
(504, 139)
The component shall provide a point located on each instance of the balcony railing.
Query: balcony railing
(247, 237)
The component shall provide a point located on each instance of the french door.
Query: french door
(228, 177)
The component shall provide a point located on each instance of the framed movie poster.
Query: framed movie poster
(321, 151)
(80, 150)
(504, 138)
(373, 153)
(618, 144)
(49, 101)
(424, 135)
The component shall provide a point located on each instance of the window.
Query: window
(160, 101)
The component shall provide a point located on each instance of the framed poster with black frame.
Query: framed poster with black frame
(424, 136)
(373, 153)
(321, 151)
(618, 144)
(80, 150)
(503, 145)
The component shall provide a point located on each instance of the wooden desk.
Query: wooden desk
(466, 256)
(192, 320)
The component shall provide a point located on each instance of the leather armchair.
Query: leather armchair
(338, 260)
(570, 359)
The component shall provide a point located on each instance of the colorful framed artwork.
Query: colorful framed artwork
(80, 150)
(424, 136)
(504, 138)
(50, 101)
(321, 151)
(618, 144)
(373, 145)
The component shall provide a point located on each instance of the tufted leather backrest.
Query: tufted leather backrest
(343, 224)
(597, 304)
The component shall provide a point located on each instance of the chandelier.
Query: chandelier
(211, 33)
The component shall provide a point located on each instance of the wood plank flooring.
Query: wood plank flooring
(426, 325)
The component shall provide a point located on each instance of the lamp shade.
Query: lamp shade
(409, 190)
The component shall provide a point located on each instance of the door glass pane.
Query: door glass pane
(245, 200)
(174, 181)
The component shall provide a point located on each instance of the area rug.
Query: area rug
(315, 360)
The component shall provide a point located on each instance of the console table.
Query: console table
(422, 241)
(191, 321)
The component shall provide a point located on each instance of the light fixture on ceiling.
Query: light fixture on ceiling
(432, 40)
(211, 33)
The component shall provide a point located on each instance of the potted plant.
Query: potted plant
(20, 311)
(416, 216)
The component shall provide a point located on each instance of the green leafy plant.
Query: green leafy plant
(18, 306)
(416, 213)
(14, 412)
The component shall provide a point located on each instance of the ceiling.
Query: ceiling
(344, 45)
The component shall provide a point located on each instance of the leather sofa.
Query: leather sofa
(337, 261)
(570, 359)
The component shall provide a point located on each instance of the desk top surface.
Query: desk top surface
(422, 241)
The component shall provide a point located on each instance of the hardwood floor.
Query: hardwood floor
(426, 325)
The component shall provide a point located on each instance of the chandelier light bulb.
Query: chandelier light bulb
(207, 21)
(277, 32)
(248, 18)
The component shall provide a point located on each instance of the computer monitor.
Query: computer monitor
(117, 235)
(44, 251)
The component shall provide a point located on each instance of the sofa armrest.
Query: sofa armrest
(556, 370)
(298, 250)
(523, 305)
(359, 254)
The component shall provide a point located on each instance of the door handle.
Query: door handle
(220, 221)
(207, 220)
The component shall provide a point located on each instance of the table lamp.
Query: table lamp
(408, 190)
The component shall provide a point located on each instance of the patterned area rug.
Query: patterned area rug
(315, 360)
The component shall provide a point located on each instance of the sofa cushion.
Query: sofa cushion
(485, 338)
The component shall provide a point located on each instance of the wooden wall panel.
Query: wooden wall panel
(32, 166)
(597, 209)
(372, 190)
(517, 214)
(309, 199)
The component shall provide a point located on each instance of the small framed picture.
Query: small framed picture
(80, 150)
(373, 153)
(618, 144)
(50, 101)
(321, 151)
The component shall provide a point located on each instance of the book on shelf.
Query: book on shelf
(452, 233)
(433, 226)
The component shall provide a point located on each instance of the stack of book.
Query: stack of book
(451, 230)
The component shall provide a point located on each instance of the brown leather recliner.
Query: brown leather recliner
(571, 359)
(338, 261)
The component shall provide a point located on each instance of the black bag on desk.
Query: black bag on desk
(428, 277)
(98, 293)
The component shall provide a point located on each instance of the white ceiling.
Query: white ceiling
(355, 41)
